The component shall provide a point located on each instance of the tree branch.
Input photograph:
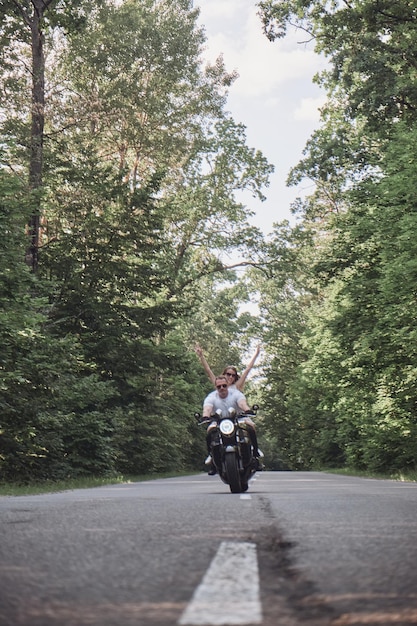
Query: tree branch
(21, 10)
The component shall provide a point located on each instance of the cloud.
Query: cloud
(272, 103)
(274, 96)
(308, 110)
(262, 66)
(216, 9)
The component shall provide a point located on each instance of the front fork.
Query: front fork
(240, 441)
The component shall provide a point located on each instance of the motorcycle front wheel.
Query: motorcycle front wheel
(233, 476)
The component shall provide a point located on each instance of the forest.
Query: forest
(125, 242)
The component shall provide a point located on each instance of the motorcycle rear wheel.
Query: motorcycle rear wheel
(233, 477)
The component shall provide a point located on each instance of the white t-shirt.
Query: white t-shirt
(224, 404)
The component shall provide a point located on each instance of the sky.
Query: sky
(274, 96)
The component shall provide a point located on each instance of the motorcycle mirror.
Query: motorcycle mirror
(255, 407)
(197, 416)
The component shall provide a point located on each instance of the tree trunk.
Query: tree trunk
(37, 129)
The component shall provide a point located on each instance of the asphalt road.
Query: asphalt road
(330, 550)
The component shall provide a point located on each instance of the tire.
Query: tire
(233, 476)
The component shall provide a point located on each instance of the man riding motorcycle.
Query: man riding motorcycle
(223, 399)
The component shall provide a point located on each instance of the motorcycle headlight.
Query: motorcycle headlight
(227, 427)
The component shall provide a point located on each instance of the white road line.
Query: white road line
(245, 496)
(229, 591)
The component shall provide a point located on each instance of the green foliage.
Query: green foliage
(350, 397)
(371, 46)
(138, 217)
(284, 297)
(41, 377)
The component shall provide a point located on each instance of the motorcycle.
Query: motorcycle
(231, 448)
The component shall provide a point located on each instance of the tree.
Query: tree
(133, 155)
(285, 292)
(46, 386)
(350, 392)
(371, 46)
(23, 25)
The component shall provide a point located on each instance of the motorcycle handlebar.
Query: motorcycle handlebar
(207, 420)
(202, 420)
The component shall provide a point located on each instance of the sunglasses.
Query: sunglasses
(230, 374)
(221, 386)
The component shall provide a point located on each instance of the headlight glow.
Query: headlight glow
(227, 427)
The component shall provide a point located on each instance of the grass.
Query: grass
(49, 486)
(408, 476)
